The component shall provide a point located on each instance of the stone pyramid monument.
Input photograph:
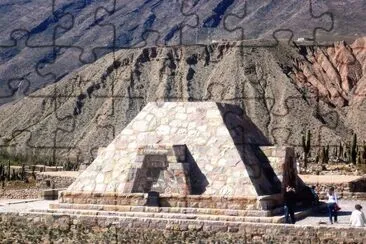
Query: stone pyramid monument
(184, 150)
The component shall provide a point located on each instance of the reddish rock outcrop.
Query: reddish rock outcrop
(336, 74)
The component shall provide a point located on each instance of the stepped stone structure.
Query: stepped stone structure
(195, 154)
(160, 168)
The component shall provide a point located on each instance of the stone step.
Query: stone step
(180, 210)
(138, 222)
(51, 194)
(161, 215)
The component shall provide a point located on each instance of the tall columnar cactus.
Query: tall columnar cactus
(353, 149)
(13, 175)
(358, 158)
(23, 172)
(2, 173)
(335, 152)
(3, 177)
(306, 146)
(363, 158)
(340, 151)
(8, 170)
(326, 154)
(308, 138)
(317, 157)
(33, 173)
(347, 152)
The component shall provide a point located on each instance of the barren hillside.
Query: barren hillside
(277, 86)
(40, 43)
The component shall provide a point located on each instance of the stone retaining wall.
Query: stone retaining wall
(46, 228)
(344, 190)
(46, 180)
(358, 185)
(345, 195)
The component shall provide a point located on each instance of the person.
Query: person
(315, 196)
(332, 204)
(290, 203)
(357, 217)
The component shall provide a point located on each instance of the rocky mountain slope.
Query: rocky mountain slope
(40, 43)
(336, 76)
(277, 86)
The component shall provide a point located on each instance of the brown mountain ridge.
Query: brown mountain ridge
(284, 89)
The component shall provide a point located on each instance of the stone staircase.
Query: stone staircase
(169, 213)
(166, 216)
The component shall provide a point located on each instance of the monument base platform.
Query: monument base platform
(171, 200)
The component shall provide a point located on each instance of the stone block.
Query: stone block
(51, 194)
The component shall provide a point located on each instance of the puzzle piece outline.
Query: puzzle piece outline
(233, 99)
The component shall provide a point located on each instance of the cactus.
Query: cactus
(306, 146)
(23, 172)
(347, 152)
(363, 155)
(335, 152)
(340, 152)
(308, 138)
(358, 158)
(325, 154)
(13, 175)
(8, 176)
(353, 149)
(33, 174)
(317, 157)
(2, 173)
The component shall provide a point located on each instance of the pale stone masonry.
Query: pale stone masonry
(185, 148)
(63, 228)
(161, 168)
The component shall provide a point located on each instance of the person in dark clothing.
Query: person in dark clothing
(290, 203)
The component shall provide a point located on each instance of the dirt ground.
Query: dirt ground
(20, 190)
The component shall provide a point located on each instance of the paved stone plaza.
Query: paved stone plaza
(347, 206)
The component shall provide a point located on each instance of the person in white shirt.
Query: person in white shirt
(357, 217)
(332, 205)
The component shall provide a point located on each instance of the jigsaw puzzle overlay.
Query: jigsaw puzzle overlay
(116, 52)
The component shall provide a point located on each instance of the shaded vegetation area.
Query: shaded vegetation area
(346, 156)
(30, 159)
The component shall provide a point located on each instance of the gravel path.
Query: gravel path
(22, 205)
